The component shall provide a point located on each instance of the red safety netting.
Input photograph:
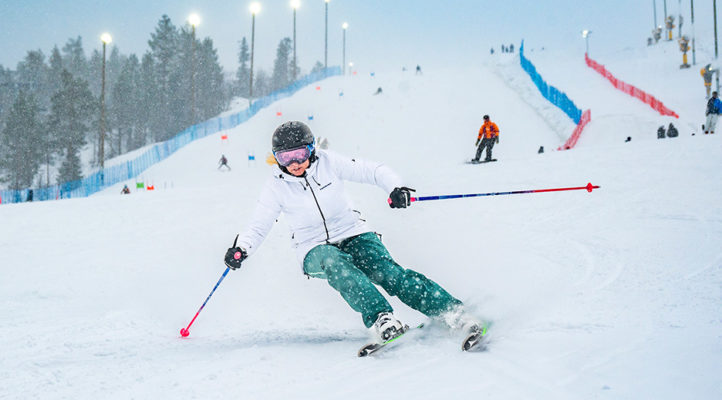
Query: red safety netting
(572, 141)
(630, 89)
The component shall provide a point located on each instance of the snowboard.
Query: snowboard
(480, 162)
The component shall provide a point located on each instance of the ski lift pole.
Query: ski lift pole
(589, 187)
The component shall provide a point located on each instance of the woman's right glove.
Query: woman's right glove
(235, 256)
(400, 197)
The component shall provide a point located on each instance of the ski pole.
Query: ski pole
(589, 188)
(184, 331)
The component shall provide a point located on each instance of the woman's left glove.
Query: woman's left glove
(235, 256)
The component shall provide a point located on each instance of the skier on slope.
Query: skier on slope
(714, 107)
(333, 243)
(223, 162)
(488, 135)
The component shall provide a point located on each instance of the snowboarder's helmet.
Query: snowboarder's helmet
(292, 135)
(486, 117)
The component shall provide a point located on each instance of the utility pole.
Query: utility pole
(694, 59)
(325, 50)
(105, 38)
(654, 6)
(714, 11)
(294, 44)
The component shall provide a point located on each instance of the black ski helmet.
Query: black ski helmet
(291, 135)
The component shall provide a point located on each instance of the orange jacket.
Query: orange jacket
(488, 130)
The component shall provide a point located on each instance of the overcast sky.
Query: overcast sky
(381, 33)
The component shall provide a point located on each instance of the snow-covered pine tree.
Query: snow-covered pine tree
(74, 59)
(20, 153)
(281, 74)
(211, 97)
(73, 110)
(32, 77)
(243, 73)
(125, 110)
(163, 45)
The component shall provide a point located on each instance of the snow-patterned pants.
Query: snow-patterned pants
(487, 144)
(353, 266)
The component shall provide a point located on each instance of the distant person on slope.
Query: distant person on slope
(333, 242)
(223, 162)
(714, 105)
(488, 135)
(125, 190)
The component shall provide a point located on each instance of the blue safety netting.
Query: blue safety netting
(554, 95)
(109, 176)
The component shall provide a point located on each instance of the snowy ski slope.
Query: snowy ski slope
(610, 295)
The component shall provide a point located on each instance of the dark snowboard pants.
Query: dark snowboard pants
(354, 266)
(485, 143)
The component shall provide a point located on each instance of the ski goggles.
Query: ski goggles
(298, 155)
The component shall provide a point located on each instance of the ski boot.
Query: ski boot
(388, 327)
(473, 330)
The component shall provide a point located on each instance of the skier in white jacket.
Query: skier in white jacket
(332, 242)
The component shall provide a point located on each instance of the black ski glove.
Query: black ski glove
(477, 142)
(400, 197)
(235, 256)
(497, 140)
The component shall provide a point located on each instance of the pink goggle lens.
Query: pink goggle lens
(288, 157)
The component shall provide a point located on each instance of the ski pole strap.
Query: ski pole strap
(589, 187)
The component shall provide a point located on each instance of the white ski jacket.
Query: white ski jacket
(315, 205)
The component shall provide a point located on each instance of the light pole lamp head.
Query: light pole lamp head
(194, 20)
(106, 38)
(295, 4)
(345, 25)
(255, 7)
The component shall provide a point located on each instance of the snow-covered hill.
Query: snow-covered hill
(613, 294)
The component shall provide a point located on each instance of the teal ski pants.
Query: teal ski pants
(354, 265)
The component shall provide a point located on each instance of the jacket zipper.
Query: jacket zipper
(319, 209)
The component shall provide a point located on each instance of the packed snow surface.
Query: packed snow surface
(613, 294)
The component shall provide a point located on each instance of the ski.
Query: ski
(371, 348)
(476, 340)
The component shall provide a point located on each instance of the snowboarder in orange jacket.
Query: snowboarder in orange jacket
(488, 135)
